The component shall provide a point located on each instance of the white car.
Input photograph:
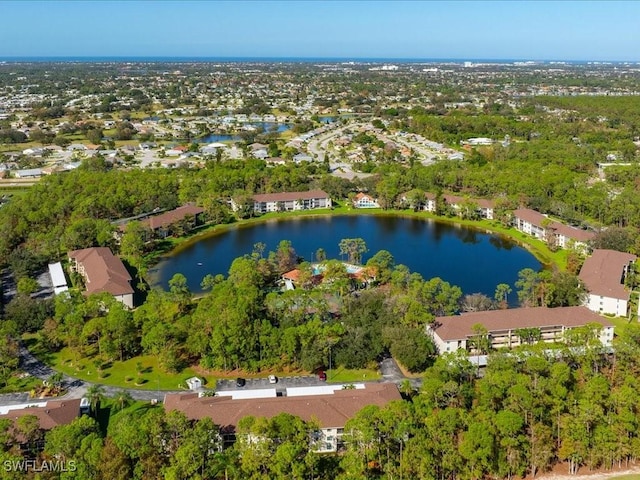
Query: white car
(273, 379)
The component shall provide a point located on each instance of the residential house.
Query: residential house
(362, 200)
(102, 271)
(289, 201)
(28, 173)
(302, 157)
(555, 233)
(331, 406)
(604, 273)
(456, 332)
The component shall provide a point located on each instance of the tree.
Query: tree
(27, 286)
(527, 285)
(613, 238)
(354, 248)
(180, 290)
(384, 263)
(95, 395)
(480, 340)
(476, 302)
(122, 399)
(502, 294)
(29, 427)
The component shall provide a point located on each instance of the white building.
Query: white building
(362, 200)
(289, 201)
(603, 273)
(504, 326)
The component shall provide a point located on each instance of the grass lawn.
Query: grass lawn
(17, 384)
(630, 476)
(128, 374)
(125, 374)
(618, 322)
(345, 375)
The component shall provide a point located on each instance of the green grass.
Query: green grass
(345, 375)
(618, 322)
(16, 384)
(121, 374)
(630, 476)
(124, 374)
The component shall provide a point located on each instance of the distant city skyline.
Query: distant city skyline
(522, 30)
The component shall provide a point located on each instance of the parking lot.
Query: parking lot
(283, 382)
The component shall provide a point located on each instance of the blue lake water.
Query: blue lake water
(471, 259)
(266, 126)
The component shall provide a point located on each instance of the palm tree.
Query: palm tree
(123, 399)
(95, 394)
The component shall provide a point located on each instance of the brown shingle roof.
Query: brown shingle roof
(54, 413)
(459, 327)
(536, 218)
(290, 196)
(528, 215)
(602, 273)
(330, 410)
(104, 272)
(171, 217)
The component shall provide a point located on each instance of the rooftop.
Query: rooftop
(459, 327)
(602, 273)
(331, 410)
(104, 272)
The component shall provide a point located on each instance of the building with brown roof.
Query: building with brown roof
(555, 233)
(456, 332)
(183, 218)
(50, 413)
(461, 205)
(288, 201)
(603, 273)
(331, 408)
(102, 271)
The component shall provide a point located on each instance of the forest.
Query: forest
(530, 410)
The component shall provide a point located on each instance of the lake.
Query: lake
(469, 258)
(266, 126)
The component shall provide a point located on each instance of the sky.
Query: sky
(466, 30)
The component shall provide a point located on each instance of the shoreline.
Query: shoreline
(544, 257)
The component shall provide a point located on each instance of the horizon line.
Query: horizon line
(242, 58)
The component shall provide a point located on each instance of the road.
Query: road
(77, 388)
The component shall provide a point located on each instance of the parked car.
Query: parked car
(240, 382)
(273, 379)
(322, 376)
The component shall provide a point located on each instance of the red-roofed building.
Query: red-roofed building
(102, 271)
